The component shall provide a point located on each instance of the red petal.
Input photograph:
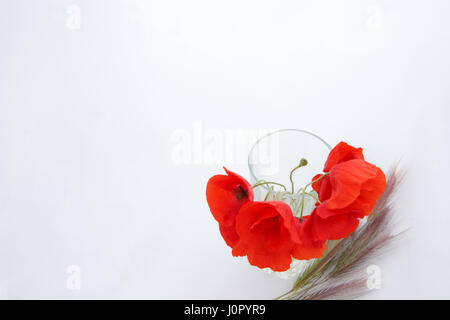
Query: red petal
(303, 252)
(267, 229)
(306, 232)
(316, 185)
(308, 248)
(229, 234)
(325, 189)
(347, 179)
(221, 195)
(239, 250)
(335, 227)
(371, 190)
(277, 261)
(265, 225)
(342, 152)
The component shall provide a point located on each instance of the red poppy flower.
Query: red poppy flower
(270, 236)
(225, 195)
(269, 231)
(348, 191)
(309, 247)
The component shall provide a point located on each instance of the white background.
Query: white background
(87, 117)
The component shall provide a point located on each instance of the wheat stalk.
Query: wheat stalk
(340, 272)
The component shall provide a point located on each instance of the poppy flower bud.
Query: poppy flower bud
(303, 162)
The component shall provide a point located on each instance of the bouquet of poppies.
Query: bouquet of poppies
(274, 232)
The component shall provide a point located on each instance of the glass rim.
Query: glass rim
(250, 167)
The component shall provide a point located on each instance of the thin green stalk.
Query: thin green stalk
(267, 195)
(269, 182)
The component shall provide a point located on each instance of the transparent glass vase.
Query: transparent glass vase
(272, 158)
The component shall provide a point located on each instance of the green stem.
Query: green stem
(263, 183)
(304, 189)
(303, 201)
(267, 195)
(290, 177)
(313, 196)
(303, 162)
(304, 278)
(314, 181)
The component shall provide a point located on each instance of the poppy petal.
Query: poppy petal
(316, 185)
(226, 194)
(307, 248)
(266, 231)
(335, 227)
(239, 250)
(371, 190)
(340, 153)
(346, 179)
(278, 261)
(265, 225)
(325, 189)
(303, 252)
(229, 234)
